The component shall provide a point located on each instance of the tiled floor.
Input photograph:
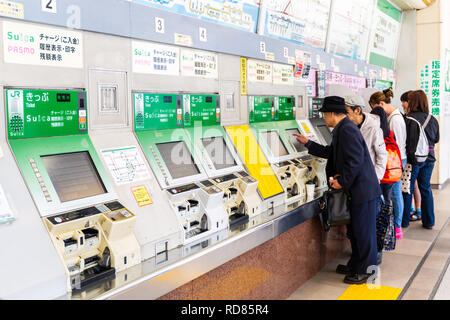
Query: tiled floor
(419, 266)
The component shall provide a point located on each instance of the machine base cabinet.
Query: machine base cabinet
(271, 271)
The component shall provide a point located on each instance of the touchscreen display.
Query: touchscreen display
(178, 159)
(299, 147)
(73, 175)
(275, 144)
(219, 153)
(326, 134)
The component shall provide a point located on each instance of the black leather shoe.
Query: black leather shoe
(426, 227)
(343, 269)
(357, 278)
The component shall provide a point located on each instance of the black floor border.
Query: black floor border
(422, 262)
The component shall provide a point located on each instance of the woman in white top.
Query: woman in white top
(398, 126)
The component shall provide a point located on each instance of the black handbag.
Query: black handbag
(335, 209)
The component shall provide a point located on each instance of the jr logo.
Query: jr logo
(15, 94)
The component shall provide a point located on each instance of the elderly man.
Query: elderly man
(350, 168)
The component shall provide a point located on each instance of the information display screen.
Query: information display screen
(73, 176)
(297, 145)
(275, 144)
(219, 153)
(178, 159)
(326, 134)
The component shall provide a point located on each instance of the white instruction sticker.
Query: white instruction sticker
(125, 165)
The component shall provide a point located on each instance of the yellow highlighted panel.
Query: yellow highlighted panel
(370, 292)
(254, 159)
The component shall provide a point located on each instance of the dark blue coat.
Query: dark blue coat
(349, 157)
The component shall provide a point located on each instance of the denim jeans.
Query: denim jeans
(422, 173)
(398, 201)
(387, 192)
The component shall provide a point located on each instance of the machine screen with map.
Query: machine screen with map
(219, 153)
(178, 159)
(73, 175)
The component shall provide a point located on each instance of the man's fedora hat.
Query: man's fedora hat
(333, 104)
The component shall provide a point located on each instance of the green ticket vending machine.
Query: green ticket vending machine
(92, 232)
(274, 125)
(159, 121)
(221, 162)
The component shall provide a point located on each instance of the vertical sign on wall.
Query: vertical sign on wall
(243, 76)
(436, 87)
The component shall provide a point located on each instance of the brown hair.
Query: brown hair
(418, 102)
(386, 96)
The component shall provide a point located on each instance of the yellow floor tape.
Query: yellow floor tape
(370, 292)
(255, 161)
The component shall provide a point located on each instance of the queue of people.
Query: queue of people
(368, 158)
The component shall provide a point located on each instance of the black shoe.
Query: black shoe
(343, 269)
(357, 278)
(428, 228)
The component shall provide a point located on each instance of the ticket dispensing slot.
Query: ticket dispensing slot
(94, 242)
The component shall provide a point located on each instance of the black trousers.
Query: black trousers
(363, 237)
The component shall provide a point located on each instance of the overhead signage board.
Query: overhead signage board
(350, 28)
(353, 82)
(259, 71)
(242, 14)
(155, 58)
(386, 35)
(195, 63)
(304, 22)
(283, 74)
(45, 113)
(42, 46)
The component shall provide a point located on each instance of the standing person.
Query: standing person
(416, 205)
(369, 126)
(398, 126)
(418, 109)
(350, 168)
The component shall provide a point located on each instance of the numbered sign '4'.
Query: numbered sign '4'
(48, 6)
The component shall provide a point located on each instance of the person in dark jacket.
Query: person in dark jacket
(350, 168)
(418, 109)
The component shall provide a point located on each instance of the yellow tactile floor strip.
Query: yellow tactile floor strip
(370, 292)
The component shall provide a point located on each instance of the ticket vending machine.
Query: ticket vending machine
(221, 162)
(93, 233)
(158, 125)
(272, 120)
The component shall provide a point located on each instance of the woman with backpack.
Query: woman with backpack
(422, 136)
(398, 127)
(416, 205)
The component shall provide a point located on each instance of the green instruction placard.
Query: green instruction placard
(157, 111)
(261, 109)
(45, 113)
(204, 109)
(284, 108)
